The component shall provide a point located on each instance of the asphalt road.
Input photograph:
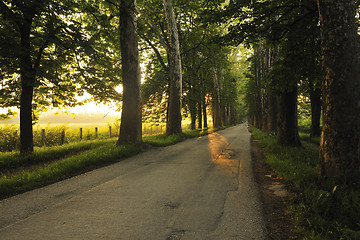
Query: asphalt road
(198, 189)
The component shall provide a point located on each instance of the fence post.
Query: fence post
(62, 136)
(42, 137)
(96, 132)
(81, 132)
(109, 131)
(151, 130)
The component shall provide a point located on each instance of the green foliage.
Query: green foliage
(67, 52)
(322, 208)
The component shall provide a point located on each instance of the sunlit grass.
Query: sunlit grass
(11, 160)
(163, 139)
(64, 168)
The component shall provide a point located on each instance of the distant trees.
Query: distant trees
(283, 36)
(340, 142)
(200, 55)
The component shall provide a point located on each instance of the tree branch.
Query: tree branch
(158, 55)
(154, 27)
(197, 45)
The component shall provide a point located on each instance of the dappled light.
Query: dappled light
(221, 154)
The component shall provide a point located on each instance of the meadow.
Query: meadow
(59, 134)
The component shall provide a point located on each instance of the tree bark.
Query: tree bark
(199, 115)
(340, 138)
(173, 125)
(131, 125)
(192, 108)
(217, 103)
(204, 113)
(287, 125)
(258, 88)
(27, 74)
(272, 113)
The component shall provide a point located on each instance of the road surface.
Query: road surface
(201, 188)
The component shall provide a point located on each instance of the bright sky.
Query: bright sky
(91, 107)
(88, 108)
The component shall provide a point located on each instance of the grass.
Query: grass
(321, 208)
(51, 164)
(162, 140)
(65, 168)
(13, 160)
(306, 137)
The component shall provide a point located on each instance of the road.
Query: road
(201, 188)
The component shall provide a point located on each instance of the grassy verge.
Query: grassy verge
(321, 208)
(162, 140)
(65, 168)
(60, 162)
(12, 160)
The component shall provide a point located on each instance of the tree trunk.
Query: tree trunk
(315, 99)
(174, 118)
(340, 138)
(192, 108)
(131, 126)
(272, 113)
(217, 103)
(193, 120)
(27, 74)
(199, 115)
(204, 114)
(258, 87)
(287, 127)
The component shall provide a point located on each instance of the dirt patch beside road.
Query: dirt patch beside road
(273, 196)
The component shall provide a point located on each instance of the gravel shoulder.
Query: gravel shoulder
(274, 196)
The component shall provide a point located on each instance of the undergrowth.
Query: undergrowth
(322, 208)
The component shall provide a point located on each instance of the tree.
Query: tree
(131, 116)
(47, 57)
(340, 140)
(174, 115)
(33, 28)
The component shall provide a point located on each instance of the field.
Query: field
(58, 134)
